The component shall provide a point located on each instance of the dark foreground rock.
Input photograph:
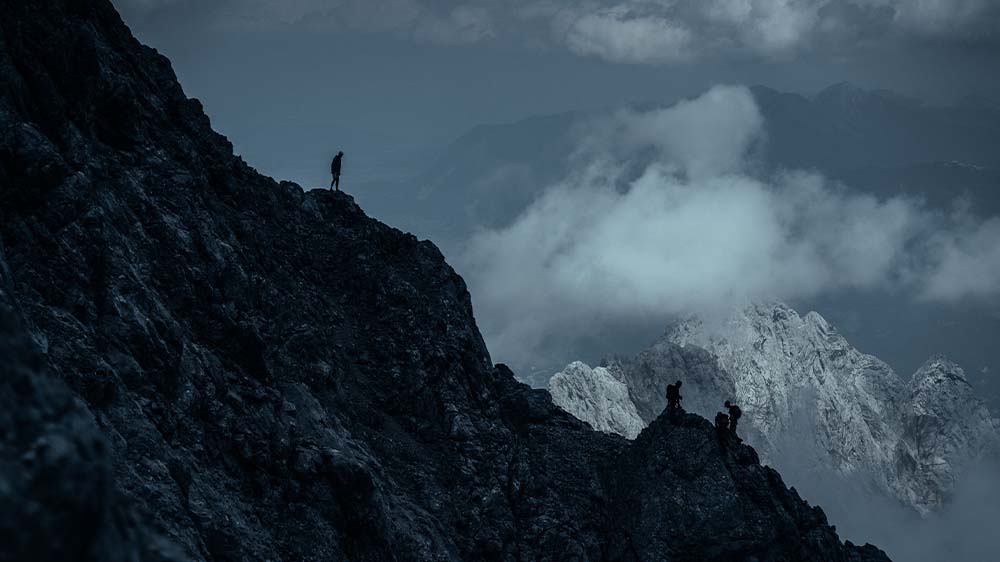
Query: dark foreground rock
(200, 363)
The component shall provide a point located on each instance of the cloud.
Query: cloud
(943, 18)
(461, 25)
(718, 129)
(968, 262)
(617, 35)
(620, 31)
(960, 531)
(447, 23)
(665, 216)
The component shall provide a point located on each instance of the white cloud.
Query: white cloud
(718, 129)
(685, 30)
(695, 232)
(967, 262)
(942, 17)
(617, 35)
(621, 31)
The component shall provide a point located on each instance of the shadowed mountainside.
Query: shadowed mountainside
(243, 371)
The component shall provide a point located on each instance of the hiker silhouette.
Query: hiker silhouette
(335, 170)
(734, 415)
(721, 422)
(674, 396)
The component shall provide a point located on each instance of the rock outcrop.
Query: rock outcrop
(812, 399)
(946, 426)
(648, 374)
(800, 381)
(597, 397)
(789, 369)
(245, 371)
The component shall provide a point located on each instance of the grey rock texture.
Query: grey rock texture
(800, 381)
(245, 371)
(623, 395)
(813, 403)
(56, 470)
(946, 428)
(648, 374)
(598, 397)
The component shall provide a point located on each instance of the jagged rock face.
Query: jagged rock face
(812, 400)
(793, 373)
(946, 428)
(799, 381)
(55, 466)
(626, 385)
(596, 397)
(648, 374)
(674, 463)
(276, 375)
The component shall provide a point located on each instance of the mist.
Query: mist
(667, 213)
(963, 530)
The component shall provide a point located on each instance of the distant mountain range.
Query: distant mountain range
(874, 141)
(814, 407)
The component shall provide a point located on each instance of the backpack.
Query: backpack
(735, 412)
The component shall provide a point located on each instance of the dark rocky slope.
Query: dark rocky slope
(244, 371)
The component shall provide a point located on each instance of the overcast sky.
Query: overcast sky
(289, 81)
(699, 232)
(389, 81)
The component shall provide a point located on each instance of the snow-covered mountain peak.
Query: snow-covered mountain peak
(811, 400)
(948, 428)
(936, 371)
(597, 396)
(783, 365)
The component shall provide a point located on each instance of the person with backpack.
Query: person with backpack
(734, 415)
(721, 423)
(674, 396)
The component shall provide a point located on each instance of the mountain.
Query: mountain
(947, 425)
(597, 396)
(845, 127)
(784, 365)
(812, 400)
(647, 374)
(873, 141)
(200, 363)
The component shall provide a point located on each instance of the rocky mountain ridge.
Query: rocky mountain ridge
(598, 396)
(201, 363)
(808, 394)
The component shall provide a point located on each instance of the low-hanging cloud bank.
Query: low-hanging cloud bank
(666, 216)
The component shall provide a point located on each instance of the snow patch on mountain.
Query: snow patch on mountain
(784, 365)
(947, 427)
(597, 397)
(812, 399)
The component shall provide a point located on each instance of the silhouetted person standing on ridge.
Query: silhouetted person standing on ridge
(674, 396)
(335, 170)
(734, 415)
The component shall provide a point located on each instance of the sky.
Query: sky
(695, 229)
(388, 81)
(391, 81)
